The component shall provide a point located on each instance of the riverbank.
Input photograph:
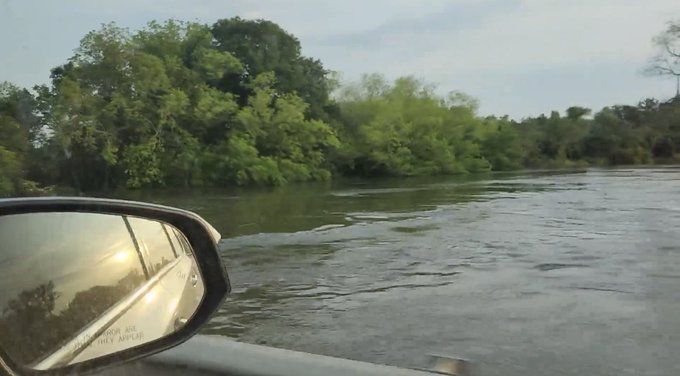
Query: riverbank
(149, 192)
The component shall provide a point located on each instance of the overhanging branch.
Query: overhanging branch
(672, 52)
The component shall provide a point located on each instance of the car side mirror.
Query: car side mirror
(91, 283)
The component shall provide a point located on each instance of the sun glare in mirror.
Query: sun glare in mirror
(78, 286)
(121, 256)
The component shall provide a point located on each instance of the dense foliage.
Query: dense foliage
(186, 104)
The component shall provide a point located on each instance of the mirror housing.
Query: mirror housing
(202, 239)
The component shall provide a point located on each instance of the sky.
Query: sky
(39, 248)
(517, 57)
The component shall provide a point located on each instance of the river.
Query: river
(543, 273)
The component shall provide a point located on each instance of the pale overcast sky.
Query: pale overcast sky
(518, 57)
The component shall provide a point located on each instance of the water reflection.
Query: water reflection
(79, 283)
(152, 239)
(304, 207)
(236, 212)
(57, 250)
(71, 283)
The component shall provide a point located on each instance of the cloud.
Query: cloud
(425, 30)
(516, 56)
(527, 49)
(560, 33)
(510, 35)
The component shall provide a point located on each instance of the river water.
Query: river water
(563, 273)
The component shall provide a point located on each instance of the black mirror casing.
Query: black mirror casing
(198, 232)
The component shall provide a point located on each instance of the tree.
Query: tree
(263, 46)
(132, 109)
(273, 143)
(555, 140)
(616, 136)
(667, 60)
(27, 322)
(405, 129)
(19, 134)
(662, 131)
(501, 145)
(575, 112)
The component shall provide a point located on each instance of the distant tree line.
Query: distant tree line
(236, 103)
(33, 328)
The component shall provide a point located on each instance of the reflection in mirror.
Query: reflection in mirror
(77, 286)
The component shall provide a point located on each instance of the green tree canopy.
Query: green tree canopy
(403, 128)
(19, 134)
(272, 142)
(263, 46)
(126, 104)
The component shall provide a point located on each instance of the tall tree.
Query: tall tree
(19, 129)
(263, 46)
(667, 60)
(273, 143)
(134, 108)
(405, 129)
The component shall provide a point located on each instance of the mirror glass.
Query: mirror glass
(77, 286)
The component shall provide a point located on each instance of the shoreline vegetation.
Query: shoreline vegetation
(183, 104)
